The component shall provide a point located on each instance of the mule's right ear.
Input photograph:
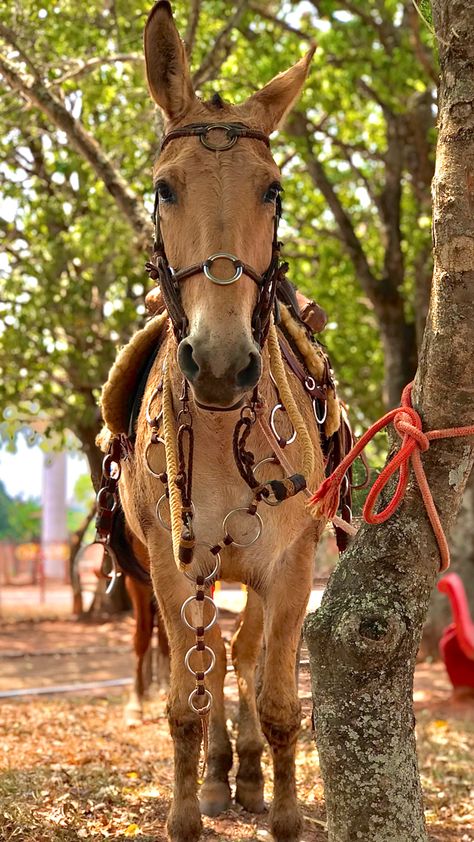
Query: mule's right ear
(169, 79)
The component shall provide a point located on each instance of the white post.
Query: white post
(54, 535)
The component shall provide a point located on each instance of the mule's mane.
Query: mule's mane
(216, 102)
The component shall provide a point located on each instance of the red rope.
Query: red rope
(408, 425)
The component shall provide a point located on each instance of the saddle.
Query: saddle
(298, 319)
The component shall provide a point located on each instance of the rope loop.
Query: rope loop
(415, 441)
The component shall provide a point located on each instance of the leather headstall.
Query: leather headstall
(160, 270)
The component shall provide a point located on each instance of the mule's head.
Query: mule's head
(215, 202)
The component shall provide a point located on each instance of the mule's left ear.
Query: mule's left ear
(169, 79)
(272, 103)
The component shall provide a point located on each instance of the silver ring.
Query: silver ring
(272, 425)
(159, 515)
(185, 620)
(103, 492)
(273, 459)
(211, 577)
(259, 526)
(222, 281)
(195, 649)
(231, 138)
(201, 711)
(147, 461)
(310, 383)
(150, 420)
(346, 508)
(315, 410)
(115, 572)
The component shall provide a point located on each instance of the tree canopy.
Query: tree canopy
(78, 137)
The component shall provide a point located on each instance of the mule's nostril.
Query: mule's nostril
(247, 377)
(186, 361)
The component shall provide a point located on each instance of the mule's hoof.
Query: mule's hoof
(184, 824)
(250, 797)
(286, 825)
(214, 798)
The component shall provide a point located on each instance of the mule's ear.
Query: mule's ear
(272, 103)
(169, 79)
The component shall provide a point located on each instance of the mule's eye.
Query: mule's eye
(164, 192)
(271, 194)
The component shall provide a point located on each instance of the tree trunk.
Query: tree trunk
(462, 562)
(400, 354)
(364, 639)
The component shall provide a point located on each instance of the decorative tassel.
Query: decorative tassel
(326, 499)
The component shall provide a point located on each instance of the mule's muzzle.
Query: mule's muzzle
(219, 380)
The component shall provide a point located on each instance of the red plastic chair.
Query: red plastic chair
(457, 642)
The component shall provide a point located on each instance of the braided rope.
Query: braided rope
(408, 425)
(294, 414)
(169, 436)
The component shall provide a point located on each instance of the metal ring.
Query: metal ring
(315, 410)
(272, 425)
(201, 711)
(112, 473)
(195, 649)
(115, 572)
(310, 383)
(273, 380)
(159, 440)
(346, 486)
(160, 516)
(153, 421)
(214, 574)
(222, 281)
(100, 505)
(231, 139)
(185, 620)
(273, 459)
(346, 509)
(259, 526)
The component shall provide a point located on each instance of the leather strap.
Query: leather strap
(319, 391)
(233, 130)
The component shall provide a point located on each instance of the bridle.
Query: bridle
(169, 280)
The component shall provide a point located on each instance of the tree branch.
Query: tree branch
(84, 67)
(38, 95)
(191, 29)
(221, 49)
(297, 126)
(263, 13)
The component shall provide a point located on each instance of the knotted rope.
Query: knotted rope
(408, 425)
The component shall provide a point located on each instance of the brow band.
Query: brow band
(201, 130)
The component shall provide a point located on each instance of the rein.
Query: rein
(159, 268)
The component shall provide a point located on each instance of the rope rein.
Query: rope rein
(169, 436)
(415, 441)
(279, 372)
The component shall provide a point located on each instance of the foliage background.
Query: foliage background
(356, 161)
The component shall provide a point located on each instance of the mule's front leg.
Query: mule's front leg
(278, 704)
(246, 646)
(172, 589)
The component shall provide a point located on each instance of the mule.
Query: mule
(217, 194)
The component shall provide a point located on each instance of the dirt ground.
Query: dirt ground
(70, 769)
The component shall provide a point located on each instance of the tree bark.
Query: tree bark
(364, 639)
